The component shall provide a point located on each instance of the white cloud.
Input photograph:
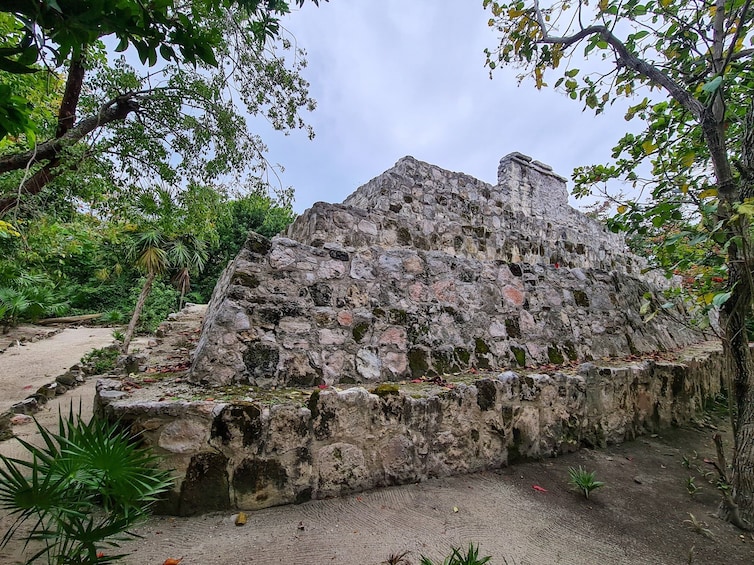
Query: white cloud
(395, 78)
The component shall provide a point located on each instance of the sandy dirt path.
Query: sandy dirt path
(25, 368)
(506, 518)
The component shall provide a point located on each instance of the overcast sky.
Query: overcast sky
(407, 77)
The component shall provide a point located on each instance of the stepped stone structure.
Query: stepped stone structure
(424, 271)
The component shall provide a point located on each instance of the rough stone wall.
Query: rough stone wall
(248, 456)
(426, 271)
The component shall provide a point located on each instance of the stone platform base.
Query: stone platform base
(250, 449)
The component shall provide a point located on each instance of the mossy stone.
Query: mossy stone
(513, 328)
(261, 359)
(385, 389)
(463, 356)
(254, 475)
(417, 362)
(359, 331)
(570, 351)
(519, 355)
(481, 347)
(486, 394)
(205, 487)
(554, 355)
(581, 298)
(404, 236)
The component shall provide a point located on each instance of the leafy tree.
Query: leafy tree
(208, 50)
(253, 211)
(691, 61)
(165, 242)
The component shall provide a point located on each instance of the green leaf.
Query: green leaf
(713, 85)
(720, 299)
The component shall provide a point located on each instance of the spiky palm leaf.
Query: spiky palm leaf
(83, 467)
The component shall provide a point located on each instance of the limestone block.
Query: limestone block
(184, 436)
(341, 469)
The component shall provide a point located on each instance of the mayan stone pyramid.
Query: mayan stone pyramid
(424, 271)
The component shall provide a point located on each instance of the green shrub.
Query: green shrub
(583, 480)
(82, 490)
(28, 297)
(457, 558)
(102, 360)
(113, 317)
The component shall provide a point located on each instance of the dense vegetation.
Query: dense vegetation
(53, 265)
(128, 181)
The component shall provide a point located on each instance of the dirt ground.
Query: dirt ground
(641, 516)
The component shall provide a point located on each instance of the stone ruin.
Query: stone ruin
(420, 272)
(424, 271)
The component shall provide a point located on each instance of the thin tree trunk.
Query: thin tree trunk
(738, 507)
(137, 312)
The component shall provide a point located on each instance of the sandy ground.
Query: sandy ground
(26, 366)
(638, 518)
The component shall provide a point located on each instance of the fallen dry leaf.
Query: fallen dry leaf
(241, 519)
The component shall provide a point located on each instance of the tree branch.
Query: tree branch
(115, 110)
(70, 101)
(626, 59)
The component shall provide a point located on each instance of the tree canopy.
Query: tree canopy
(198, 59)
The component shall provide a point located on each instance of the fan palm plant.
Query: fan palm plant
(81, 491)
(163, 245)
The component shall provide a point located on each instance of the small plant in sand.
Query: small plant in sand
(698, 526)
(397, 559)
(584, 481)
(457, 557)
(691, 486)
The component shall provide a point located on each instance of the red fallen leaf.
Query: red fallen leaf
(359, 499)
(27, 387)
(417, 381)
(321, 387)
(557, 265)
(148, 380)
(538, 488)
(208, 400)
(172, 561)
(100, 554)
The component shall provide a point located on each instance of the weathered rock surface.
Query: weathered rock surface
(248, 455)
(426, 271)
